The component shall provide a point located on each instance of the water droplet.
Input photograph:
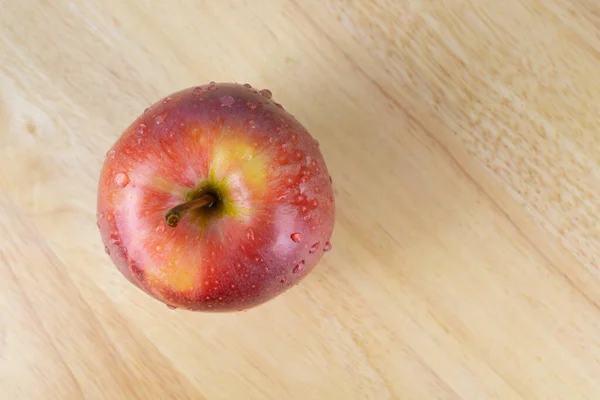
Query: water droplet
(251, 105)
(304, 209)
(170, 307)
(301, 198)
(232, 286)
(159, 248)
(212, 86)
(166, 100)
(298, 267)
(160, 228)
(289, 180)
(296, 237)
(298, 155)
(279, 105)
(294, 137)
(282, 281)
(121, 179)
(314, 247)
(227, 101)
(159, 119)
(98, 224)
(249, 86)
(207, 297)
(314, 203)
(197, 91)
(250, 234)
(327, 246)
(142, 128)
(111, 154)
(330, 180)
(115, 239)
(253, 286)
(252, 123)
(146, 110)
(106, 250)
(267, 93)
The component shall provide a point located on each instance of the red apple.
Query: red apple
(215, 199)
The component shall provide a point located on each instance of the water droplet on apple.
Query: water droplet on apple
(106, 250)
(298, 155)
(111, 154)
(282, 281)
(197, 91)
(314, 203)
(298, 267)
(251, 105)
(212, 86)
(327, 246)
(296, 237)
(160, 228)
(250, 234)
(314, 247)
(301, 198)
(170, 307)
(121, 179)
(166, 100)
(330, 180)
(227, 101)
(159, 248)
(114, 239)
(142, 128)
(232, 286)
(249, 86)
(267, 93)
(253, 286)
(252, 123)
(279, 105)
(160, 119)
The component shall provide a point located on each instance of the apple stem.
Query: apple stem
(174, 215)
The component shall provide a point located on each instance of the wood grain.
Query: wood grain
(462, 137)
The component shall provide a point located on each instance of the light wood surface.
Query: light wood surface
(463, 137)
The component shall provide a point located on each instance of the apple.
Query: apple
(215, 199)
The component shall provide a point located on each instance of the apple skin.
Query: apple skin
(273, 219)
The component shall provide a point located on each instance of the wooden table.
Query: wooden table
(463, 138)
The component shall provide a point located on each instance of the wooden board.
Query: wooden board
(463, 138)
